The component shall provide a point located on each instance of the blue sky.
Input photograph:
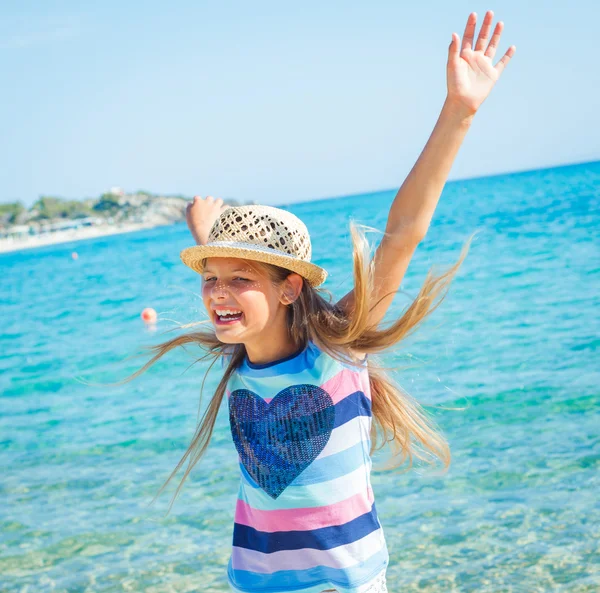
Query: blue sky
(277, 101)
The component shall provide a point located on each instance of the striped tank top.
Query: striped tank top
(305, 517)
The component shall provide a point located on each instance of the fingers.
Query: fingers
(454, 50)
(510, 52)
(218, 202)
(490, 52)
(467, 42)
(484, 33)
(212, 200)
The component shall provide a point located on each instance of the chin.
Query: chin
(228, 339)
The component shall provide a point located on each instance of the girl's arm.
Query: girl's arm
(470, 78)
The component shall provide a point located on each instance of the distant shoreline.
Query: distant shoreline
(68, 235)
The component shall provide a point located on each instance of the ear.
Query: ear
(291, 288)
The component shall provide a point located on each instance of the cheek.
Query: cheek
(251, 300)
(256, 302)
(205, 293)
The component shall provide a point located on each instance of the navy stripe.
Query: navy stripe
(316, 539)
(356, 404)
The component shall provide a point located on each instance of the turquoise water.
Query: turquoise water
(511, 359)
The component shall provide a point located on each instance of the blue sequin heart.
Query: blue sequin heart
(278, 441)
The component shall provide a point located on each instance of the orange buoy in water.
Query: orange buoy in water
(74, 255)
(149, 315)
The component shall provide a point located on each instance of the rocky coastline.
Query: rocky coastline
(54, 220)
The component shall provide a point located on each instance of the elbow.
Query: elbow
(410, 234)
(419, 232)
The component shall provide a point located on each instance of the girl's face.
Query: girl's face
(242, 302)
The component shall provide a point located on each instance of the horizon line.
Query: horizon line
(470, 178)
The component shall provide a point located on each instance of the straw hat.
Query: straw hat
(260, 233)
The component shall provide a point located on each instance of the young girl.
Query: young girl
(307, 405)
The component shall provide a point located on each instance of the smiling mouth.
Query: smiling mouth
(228, 317)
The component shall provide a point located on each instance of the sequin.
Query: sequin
(277, 441)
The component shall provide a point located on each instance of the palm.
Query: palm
(470, 73)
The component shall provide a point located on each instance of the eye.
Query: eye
(242, 279)
(209, 278)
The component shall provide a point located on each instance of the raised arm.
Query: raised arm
(470, 78)
(201, 214)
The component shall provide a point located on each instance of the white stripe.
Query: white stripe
(346, 436)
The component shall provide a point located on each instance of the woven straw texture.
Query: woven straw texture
(260, 233)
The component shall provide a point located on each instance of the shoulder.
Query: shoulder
(360, 357)
(351, 355)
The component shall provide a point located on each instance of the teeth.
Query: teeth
(228, 312)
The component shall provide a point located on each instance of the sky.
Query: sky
(277, 102)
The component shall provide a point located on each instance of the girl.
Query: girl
(306, 404)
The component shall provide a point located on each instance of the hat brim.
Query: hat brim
(193, 256)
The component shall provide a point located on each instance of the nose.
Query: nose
(219, 290)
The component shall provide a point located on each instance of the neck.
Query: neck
(269, 352)
(273, 343)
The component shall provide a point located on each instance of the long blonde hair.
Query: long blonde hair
(398, 419)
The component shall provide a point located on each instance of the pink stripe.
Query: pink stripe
(304, 519)
(345, 383)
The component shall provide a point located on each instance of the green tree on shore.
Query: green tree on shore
(107, 203)
(10, 212)
(50, 207)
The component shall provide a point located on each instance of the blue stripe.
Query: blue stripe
(325, 469)
(316, 539)
(288, 580)
(356, 404)
(247, 477)
(333, 466)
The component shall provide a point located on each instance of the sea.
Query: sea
(508, 367)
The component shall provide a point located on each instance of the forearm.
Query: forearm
(413, 207)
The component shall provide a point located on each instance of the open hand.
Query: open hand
(470, 72)
(201, 214)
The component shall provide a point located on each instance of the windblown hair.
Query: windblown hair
(398, 419)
